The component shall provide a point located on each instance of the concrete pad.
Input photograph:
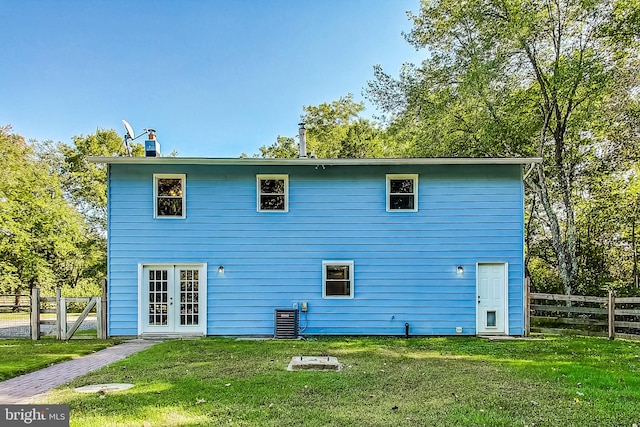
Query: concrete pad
(103, 388)
(314, 363)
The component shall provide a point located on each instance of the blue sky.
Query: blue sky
(214, 78)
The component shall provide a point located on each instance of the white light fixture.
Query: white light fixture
(221, 269)
(460, 269)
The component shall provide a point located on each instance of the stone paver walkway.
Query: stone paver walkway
(24, 388)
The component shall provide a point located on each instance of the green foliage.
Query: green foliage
(53, 213)
(283, 148)
(543, 278)
(86, 183)
(41, 235)
(336, 130)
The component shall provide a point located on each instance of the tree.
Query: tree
(284, 148)
(336, 130)
(512, 78)
(40, 234)
(84, 183)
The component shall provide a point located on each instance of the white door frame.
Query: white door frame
(143, 308)
(505, 302)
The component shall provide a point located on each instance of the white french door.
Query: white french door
(173, 299)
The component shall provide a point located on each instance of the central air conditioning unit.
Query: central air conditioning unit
(286, 323)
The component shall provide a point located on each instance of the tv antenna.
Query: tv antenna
(130, 136)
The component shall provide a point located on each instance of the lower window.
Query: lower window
(337, 279)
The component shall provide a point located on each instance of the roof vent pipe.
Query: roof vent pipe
(302, 131)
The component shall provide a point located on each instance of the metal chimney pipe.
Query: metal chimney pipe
(302, 132)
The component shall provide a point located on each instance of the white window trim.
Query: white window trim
(351, 280)
(156, 177)
(286, 192)
(414, 177)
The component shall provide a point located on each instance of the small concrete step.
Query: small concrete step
(314, 363)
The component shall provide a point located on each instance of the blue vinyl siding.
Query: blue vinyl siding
(405, 262)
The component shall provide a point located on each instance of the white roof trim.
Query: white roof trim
(316, 162)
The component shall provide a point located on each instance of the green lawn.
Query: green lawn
(385, 382)
(20, 356)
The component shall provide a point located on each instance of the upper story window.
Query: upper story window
(402, 193)
(169, 195)
(273, 193)
(337, 279)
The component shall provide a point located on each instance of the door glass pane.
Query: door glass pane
(189, 285)
(491, 318)
(158, 308)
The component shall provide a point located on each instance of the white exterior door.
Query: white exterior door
(173, 299)
(492, 311)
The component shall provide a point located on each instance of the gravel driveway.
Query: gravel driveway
(22, 329)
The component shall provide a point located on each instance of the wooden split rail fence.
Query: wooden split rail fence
(58, 305)
(608, 316)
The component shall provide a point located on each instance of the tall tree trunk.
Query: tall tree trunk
(569, 242)
(16, 303)
(635, 252)
(564, 244)
(527, 237)
(563, 247)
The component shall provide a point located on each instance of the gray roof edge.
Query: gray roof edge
(316, 161)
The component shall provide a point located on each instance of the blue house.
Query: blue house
(423, 246)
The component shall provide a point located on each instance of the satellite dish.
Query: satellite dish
(130, 136)
(129, 129)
